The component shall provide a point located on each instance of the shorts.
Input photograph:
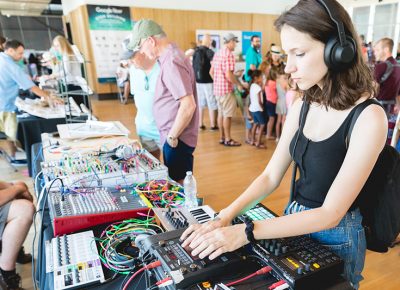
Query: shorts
(347, 240)
(226, 105)
(3, 216)
(248, 124)
(258, 117)
(150, 144)
(179, 160)
(8, 124)
(271, 109)
(206, 96)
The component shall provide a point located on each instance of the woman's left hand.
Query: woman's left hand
(219, 241)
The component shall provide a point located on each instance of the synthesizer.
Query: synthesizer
(176, 218)
(301, 261)
(82, 208)
(106, 169)
(75, 261)
(178, 264)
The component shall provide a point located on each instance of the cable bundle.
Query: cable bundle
(162, 193)
(119, 236)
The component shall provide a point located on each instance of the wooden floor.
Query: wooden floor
(222, 173)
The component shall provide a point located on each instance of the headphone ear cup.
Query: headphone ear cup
(330, 47)
(339, 57)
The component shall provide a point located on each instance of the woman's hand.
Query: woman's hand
(218, 241)
(195, 231)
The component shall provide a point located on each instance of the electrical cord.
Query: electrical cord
(147, 267)
(262, 271)
(46, 194)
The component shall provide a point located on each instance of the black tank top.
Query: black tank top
(319, 163)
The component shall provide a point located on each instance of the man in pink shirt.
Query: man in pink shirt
(175, 100)
(222, 68)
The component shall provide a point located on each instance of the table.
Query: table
(29, 132)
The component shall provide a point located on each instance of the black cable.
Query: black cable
(41, 230)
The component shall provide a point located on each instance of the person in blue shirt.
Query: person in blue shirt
(143, 80)
(253, 56)
(13, 78)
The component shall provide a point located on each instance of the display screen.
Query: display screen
(291, 262)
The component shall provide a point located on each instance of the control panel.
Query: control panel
(181, 266)
(76, 261)
(301, 261)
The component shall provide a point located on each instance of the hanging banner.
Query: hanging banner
(246, 40)
(108, 25)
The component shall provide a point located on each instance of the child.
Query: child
(281, 109)
(256, 107)
(272, 97)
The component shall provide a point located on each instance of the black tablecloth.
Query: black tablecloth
(30, 130)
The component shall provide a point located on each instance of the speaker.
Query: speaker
(340, 51)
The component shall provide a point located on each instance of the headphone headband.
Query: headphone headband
(333, 15)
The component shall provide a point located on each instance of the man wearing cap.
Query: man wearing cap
(222, 68)
(253, 57)
(175, 100)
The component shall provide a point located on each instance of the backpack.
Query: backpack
(389, 69)
(202, 64)
(379, 200)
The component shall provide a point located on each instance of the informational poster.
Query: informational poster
(246, 40)
(108, 25)
(218, 36)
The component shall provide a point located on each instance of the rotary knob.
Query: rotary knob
(193, 267)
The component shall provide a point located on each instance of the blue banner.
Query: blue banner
(246, 40)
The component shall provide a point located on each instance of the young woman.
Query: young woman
(332, 173)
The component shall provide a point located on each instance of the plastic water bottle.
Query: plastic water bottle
(190, 190)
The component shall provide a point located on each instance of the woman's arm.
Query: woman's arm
(260, 100)
(260, 188)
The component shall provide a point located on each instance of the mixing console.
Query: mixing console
(84, 207)
(106, 169)
(75, 261)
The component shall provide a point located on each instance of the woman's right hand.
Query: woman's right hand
(195, 231)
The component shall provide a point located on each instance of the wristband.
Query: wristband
(249, 231)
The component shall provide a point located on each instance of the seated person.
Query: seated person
(16, 214)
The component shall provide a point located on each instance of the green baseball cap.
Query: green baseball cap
(142, 29)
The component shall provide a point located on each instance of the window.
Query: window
(384, 21)
(36, 33)
(361, 19)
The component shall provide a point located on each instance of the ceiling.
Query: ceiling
(30, 7)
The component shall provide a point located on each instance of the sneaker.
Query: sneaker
(19, 162)
(23, 258)
(11, 283)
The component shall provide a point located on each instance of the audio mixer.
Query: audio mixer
(301, 261)
(82, 208)
(184, 269)
(75, 261)
(176, 218)
(106, 169)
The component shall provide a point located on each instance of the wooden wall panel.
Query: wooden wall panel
(180, 26)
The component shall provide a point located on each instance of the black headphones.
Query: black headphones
(340, 51)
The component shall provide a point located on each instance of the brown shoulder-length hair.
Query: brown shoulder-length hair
(342, 89)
